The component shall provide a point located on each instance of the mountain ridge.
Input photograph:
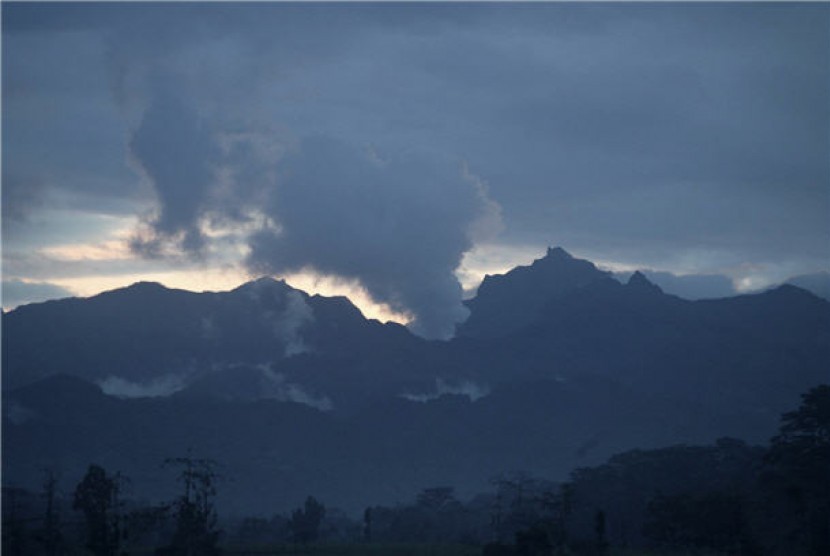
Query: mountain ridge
(580, 367)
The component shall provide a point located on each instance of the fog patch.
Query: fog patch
(276, 388)
(297, 314)
(18, 414)
(467, 388)
(209, 329)
(156, 388)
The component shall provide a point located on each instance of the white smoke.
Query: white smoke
(162, 386)
(208, 327)
(18, 414)
(467, 388)
(297, 313)
(276, 388)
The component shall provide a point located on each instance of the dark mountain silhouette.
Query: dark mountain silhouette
(272, 451)
(817, 283)
(559, 365)
(508, 302)
(756, 351)
(147, 332)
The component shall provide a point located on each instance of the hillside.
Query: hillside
(559, 366)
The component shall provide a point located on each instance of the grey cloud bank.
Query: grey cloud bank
(177, 154)
(694, 286)
(400, 226)
(690, 138)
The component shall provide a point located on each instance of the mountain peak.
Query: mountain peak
(265, 283)
(137, 290)
(268, 281)
(263, 280)
(639, 282)
(507, 302)
(145, 285)
(558, 253)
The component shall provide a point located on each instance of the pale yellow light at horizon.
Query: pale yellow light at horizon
(216, 280)
(112, 250)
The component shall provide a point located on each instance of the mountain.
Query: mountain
(817, 283)
(754, 352)
(148, 338)
(508, 302)
(559, 365)
(274, 453)
(687, 286)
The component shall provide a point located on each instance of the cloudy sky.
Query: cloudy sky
(398, 152)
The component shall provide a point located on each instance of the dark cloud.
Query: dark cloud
(60, 123)
(178, 154)
(20, 196)
(687, 137)
(400, 226)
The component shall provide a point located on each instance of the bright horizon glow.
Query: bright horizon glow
(484, 259)
(226, 279)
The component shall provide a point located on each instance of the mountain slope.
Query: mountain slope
(273, 454)
(508, 302)
(560, 365)
(146, 332)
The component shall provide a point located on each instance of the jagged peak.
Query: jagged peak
(557, 253)
(638, 280)
(558, 258)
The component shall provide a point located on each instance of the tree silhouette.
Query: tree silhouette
(367, 524)
(97, 497)
(195, 533)
(713, 520)
(14, 530)
(599, 530)
(800, 455)
(305, 522)
(50, 535)
(436, 498)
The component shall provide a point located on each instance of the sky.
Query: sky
(396, 153)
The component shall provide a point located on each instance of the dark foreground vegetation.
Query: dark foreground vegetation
(729, 498)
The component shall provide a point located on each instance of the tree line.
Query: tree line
(728, 498)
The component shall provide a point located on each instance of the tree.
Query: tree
(803, 441)
(14, 530)
(367, 524)
(50, 535)
(599, 529)
(437, 498)
(521, 502)
(800, 457)
(195, 533)
(305, 522)
(97, 497)
(713, 520)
